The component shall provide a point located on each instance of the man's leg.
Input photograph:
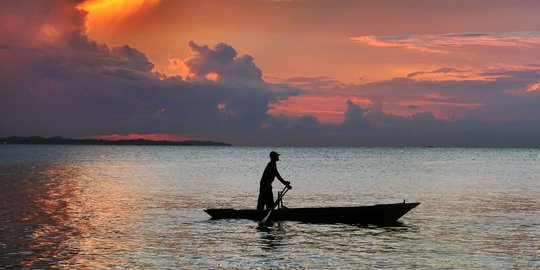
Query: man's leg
(269, 199)
(261, 200)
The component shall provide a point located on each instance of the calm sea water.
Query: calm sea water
(141, 207)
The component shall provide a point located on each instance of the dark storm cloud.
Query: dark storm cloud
(354, 118)
(498, 112)
(118, 94)
(222, 60)
(501, 108)
(60, 82)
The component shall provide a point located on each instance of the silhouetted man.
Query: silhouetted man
(266, 197)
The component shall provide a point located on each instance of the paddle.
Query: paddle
(279, 198)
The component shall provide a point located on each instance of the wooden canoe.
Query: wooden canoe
(373, 214)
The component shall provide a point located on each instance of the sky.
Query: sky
(447, 73)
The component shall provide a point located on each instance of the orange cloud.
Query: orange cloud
(400, 42)
(177, 67)
(212, 76)
(535, 87)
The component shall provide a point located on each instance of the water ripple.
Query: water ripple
(141, 208)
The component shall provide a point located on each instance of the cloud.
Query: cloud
(40, 23)
(222, 60)
(445, 43)
(451, 100)
(78, 87)
(408, 111)
(58, 81)
(534, 87)
(453, 74)
(354, 118)
(313, 83)
(441, 70)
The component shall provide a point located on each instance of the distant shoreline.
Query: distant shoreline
(67, 141)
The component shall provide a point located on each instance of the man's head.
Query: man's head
(274, 155)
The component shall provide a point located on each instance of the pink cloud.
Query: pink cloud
(445, 43)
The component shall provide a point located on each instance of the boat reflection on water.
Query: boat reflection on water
(273, 235)
(278, 234)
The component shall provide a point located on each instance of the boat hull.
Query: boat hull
(373, 214)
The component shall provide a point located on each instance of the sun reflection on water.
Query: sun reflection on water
(60, 212)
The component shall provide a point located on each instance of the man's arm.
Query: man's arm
(287, 183)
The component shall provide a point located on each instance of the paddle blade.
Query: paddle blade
(265, 219)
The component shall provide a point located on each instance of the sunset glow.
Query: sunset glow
(236, 71)
(327, 110)
(107, 13)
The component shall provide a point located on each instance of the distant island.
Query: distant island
(60, 141)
